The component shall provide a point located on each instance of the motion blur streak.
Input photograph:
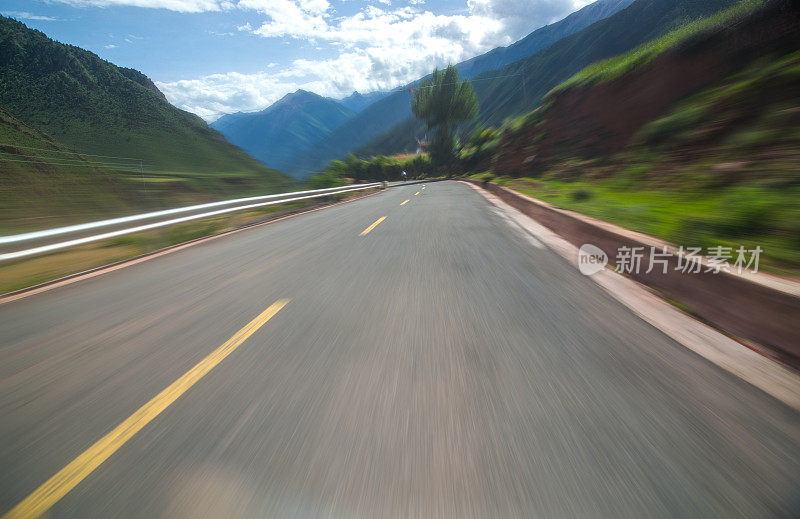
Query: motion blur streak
(131, 230)
(67, 478)
(155, 214)
(440, 367)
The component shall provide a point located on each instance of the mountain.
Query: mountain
(736, 103)
(294, 122)
(357, 101)
(693, 137)
(521, 86)
(63, 183)
(380, 116)
(540, 38)
(94, 106)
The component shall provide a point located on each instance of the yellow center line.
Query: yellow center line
(44, 497)
(404, 203)
(375, 224)
(415, 194)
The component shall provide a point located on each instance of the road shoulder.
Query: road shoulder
(761, 372)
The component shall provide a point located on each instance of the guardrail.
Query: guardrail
(279, 198)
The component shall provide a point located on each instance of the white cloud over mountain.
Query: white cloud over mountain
(379, 47)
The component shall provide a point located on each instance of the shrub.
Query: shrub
(486, 177)
(581, 195)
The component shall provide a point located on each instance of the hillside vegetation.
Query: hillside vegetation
(96, 107)
(36, 192)
(520, 87)
(694, 137)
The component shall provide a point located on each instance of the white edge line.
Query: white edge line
(141, 228)
(735, 358)
(144, 216)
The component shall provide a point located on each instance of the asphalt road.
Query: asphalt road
(441, 365)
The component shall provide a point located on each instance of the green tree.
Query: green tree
(443, 101)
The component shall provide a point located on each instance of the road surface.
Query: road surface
(439, 365)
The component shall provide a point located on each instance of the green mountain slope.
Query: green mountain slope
(382, 115)
(521, 86)
(275, 134)
(94, 106)
(541, 38)
(44, 182)
(693, 137)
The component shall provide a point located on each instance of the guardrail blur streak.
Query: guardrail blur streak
(144, 216)
(81, 241)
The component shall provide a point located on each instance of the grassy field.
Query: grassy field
(743, 215)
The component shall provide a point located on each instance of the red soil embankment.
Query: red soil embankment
(599, 119)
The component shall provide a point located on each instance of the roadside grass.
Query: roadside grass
(746, 215)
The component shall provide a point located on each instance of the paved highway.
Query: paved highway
(438, 365)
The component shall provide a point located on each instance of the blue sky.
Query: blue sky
(220, 56)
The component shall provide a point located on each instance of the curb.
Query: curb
(756, 311)
(758, 370)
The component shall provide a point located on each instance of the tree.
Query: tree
(443, 101)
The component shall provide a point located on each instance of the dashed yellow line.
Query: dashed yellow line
(44, 497)
(415, 194)
(404, 203)
(375, 224)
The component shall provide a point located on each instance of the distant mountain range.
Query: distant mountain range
(357, 102)
(306, 150)
(94, 106)
(294, 122)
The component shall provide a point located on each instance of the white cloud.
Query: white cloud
(110, 46)
(214, 95)
(521, 17)
(30, 16)
(183, 6)
(378, 48)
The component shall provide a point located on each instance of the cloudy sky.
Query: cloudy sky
(220, 56)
